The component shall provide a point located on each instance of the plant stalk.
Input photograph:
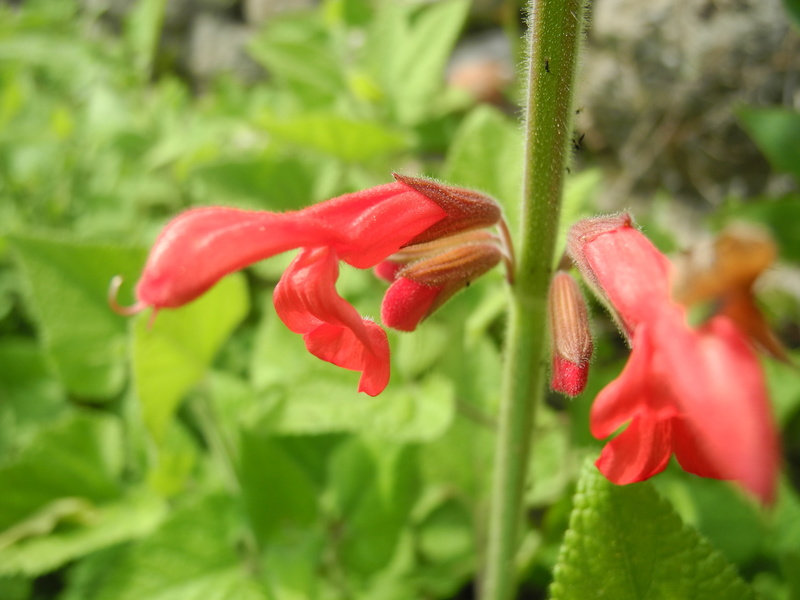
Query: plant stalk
(555, 31)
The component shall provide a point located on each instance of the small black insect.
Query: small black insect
(547, 64)
(577, 143)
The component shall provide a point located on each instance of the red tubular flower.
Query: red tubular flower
(363, 229)
(696, 393)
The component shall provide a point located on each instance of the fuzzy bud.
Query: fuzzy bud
(570, 334)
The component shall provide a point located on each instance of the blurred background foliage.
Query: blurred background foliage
(209, 456)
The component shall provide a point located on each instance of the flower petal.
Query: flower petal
(639, 452)
(307, 302)
(639, 389)
(568, 377)
(341, 347)
(200, 246)
(720, 388)
(623, 266)
(691, 453)
(407, 302)
(375, 223)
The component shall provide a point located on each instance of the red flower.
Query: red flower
(363, 229)
(696, 393)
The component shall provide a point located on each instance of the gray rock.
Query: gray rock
(217, 45)
(659, 85)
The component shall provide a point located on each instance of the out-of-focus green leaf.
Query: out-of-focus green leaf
(446, 533)
(486, 154)
(68, 284)
(93, 528)
(326, 402)
(347, 12)
(78, 457)
(174, 462)
(172, 355)
(415, 354)
(407, 49)
(776, 131)
(191, 557)
(31, 394)
(552, 467)
(374, 488)
(291, 566)
(143, 32)
(283, 184)
(298, 51)
(730, 521)
(15, 588)
(281, 492)
(347, 139)
(579, 190)
(624, 542)
(784, 386)
(299, 394)
(793, 8)
(443, 552)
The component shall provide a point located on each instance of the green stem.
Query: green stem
(554, 41)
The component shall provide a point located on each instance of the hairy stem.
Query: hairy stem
(553, 40)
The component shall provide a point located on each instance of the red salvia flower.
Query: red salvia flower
(696, 393)
(364, 229)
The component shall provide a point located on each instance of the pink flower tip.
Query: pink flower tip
(569, 378)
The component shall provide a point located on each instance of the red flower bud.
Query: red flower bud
(570, 333)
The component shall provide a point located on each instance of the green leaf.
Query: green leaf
(325, 402)
(80, 456)
(281, 493)
(191, 557)
(174, 462)
(793, 8)
(297, 51)
(272, 184)
(347, 139)
(625, 542)
(299, 394)
(96, 528)
(171, 356)
(292, 565)
(446, 534)
(407, 50)
(374, 488)
(31, 394)
(729, 520)
(415, 354)
(143, 31)
(486, 154)
(775, 131)
(67, 284)
(783, 381)
(15, 588)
